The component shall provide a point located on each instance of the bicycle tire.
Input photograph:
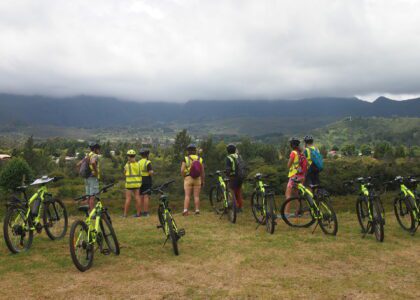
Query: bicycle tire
(378, 222)
(302, 218)
(50, 216)
(173, 236)
(402, 207)
(87, 250)
(217, 199)
(16, 229)
(257, 207)
(110, 237)
(328, 216)
(270, 222)
(362, 212)
(232, 213)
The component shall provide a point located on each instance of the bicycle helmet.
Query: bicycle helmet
(131, 152)
(144, 151)
(94, 145)
(191, 147)
(308, 139)
(294, 142)
(231, 148)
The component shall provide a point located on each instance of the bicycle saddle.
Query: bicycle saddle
(84, 208)
(314, 186)
(21, 188)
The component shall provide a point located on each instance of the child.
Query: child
(296, 169)
(132, 182)
(146, 172)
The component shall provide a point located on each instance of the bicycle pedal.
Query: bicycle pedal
(181, 232)
(105, 252)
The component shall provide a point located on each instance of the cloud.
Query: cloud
(216, 49)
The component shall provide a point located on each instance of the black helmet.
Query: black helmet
(144, 151)
(191, 147)
(308, 139)
(294, 142)
(231, 148)
(94, 145)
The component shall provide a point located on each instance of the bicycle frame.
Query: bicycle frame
(222, 183)
(364, 191)
(163, 203)
(40, 193)
(312, 204)
(406, 192)
(94, 227)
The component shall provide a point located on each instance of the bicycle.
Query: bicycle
(369, 208)
(263, 204)
(222, 199)
(310, 207)
(407, 203)
(166, 220)
(23, 217)
(96, 229)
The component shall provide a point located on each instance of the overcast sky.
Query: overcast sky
(182, 49)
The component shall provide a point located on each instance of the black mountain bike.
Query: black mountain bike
(221, 197)
(263, 204)
(166, 220)
(369, 208)
(41, 211)
(407, 203)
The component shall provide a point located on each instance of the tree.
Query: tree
(366, 150)
(28, 151)
(13, 174)
(349, 150)
(182, 140)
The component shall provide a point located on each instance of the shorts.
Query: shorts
(131, 189)
(301, 178)
(91, 186)
(312, 178)
(146, 189)
(192, 182)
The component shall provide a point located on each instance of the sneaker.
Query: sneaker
(197, 212)
(123, 216)
(137, 216)
(145, 214)
(185, 213)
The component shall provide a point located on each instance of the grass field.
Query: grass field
(221, 260)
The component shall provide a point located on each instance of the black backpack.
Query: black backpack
(240, 168)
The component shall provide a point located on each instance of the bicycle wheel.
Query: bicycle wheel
(16, 230)
(378, 222)
(270, 222)
(295, 212)
(217, 199)
(328, 221)
(81, 251)
(173, 235)
(362, 211)
(231, 209)
(109, 235)
(404, 213)
(257, 207)
(55, 219)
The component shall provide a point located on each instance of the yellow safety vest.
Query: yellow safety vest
(144, 162)
(189, 160)
(295, 165)
(91, 154)
(132, 175)
(308, 156)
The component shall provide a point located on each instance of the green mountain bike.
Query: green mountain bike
(369, 208)
(24, 217)
(310, 207)
(166, 220)
(263, 204)
(222, 199)
(407, 203)
(96, 229)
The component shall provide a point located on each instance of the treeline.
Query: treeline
(49, 157)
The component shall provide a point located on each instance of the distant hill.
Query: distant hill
(236, 117)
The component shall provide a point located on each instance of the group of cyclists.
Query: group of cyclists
(304, 164)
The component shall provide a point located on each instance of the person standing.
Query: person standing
(92, 181)
(234, 171)
(133, 181)
(146, 172)
(297, 166)
(192, 170)
(315, 161)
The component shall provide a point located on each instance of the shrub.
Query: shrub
(14, 172)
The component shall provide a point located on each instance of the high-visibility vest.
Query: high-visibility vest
(132, 175)
(91, 154)
(189, 160)
(144, 162)
(295, 165)
(233, 157)
(308, 154)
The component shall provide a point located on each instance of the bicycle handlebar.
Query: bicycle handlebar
(159, 188)
(102, 190)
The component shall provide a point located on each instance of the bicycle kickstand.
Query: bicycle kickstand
(222, 214)
(367, 230)
(316, 225)
(167, 238)
(258, 224)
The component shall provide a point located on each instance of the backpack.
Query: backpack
(303, 163)
(240, 168)
(84, 169)
(317, 159)
(195, 168)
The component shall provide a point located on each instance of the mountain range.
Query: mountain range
(232, 116)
